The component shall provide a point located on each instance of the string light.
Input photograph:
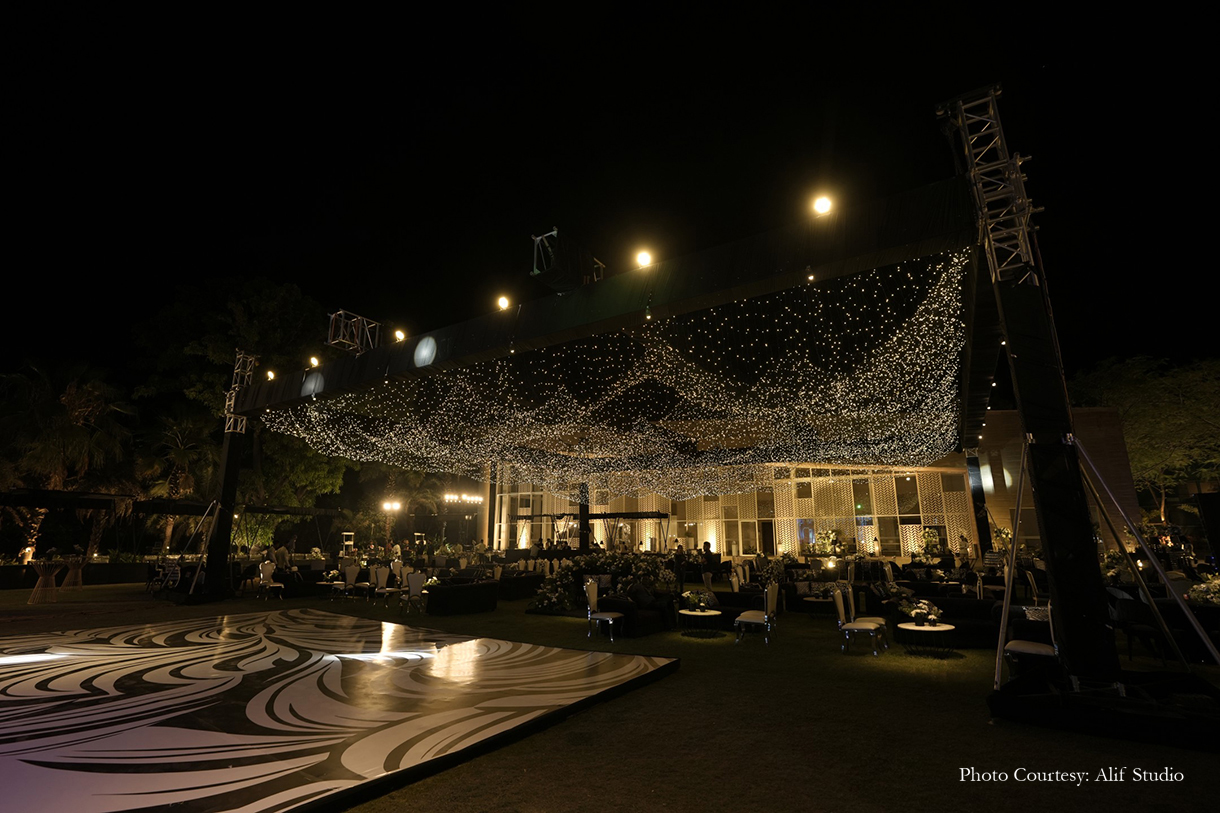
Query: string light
(859, 371)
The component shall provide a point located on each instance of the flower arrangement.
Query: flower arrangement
(1114, 564)
(330, 576)
(770, 570)
(432, 582)
(696, 599)
(920, 610)
(827, 542)
(1206, 593)
(316, 553)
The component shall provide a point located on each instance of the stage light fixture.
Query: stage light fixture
(821, 205)
(270, 375)
(313, 361)
(503, 303)
(399, 335)
(644, 259)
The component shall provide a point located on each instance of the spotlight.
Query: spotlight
(647, 312)
(270, 375)
(399, 335)
(313, 361)
(821, 205)
(503, 303)
(643, 258)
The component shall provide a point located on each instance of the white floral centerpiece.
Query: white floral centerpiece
(827, 542)
(921, 611)
(696, 599)
(1206, 593)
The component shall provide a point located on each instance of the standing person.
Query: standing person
(680, 568)
(709, 565)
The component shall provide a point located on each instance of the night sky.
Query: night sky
(402, 179)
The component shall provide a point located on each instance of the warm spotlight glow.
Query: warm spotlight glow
(821, 205)
(643, 258)
(502, 302)
(399, 335)
(270, 375)
(313, 361)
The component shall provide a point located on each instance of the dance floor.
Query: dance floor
(267, 711)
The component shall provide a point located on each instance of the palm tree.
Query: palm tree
(182, 460)
(66, 432)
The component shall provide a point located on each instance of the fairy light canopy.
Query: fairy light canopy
(857, 370)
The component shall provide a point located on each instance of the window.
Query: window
(861, 497)
(908, 497)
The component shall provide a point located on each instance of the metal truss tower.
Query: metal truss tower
(1086, 644)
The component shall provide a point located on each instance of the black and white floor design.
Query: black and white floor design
(263, 712)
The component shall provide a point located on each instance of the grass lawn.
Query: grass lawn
(791, 726)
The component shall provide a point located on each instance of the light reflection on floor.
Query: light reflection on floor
(264, 711)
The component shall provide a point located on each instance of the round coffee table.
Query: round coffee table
(928, 639)
(698, 623)
(819, 605)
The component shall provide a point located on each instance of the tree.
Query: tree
(64, 430)
(180, 459)
(194, 357)
(1170, 415)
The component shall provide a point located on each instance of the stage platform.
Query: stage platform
(276, 711)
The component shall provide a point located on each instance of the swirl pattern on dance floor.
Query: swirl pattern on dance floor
(266, 711)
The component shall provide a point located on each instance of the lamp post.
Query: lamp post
(390, 507)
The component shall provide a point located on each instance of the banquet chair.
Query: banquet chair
(345, 584)
(850, 628)
(735, 582)
(1033, 588)
(413, 596)
(1021, 654)
(596, 617)
(754, 619)
(380, 584)
(869, 619)
(267, 583)
(1135, 619)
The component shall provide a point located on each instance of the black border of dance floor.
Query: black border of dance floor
(303, 727)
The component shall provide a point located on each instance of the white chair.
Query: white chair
(753, 619)
(366, 587)
(344, 586)
(1033, 588)
(413, 596)
(267, 583)
(869, 619)
(850, 628)
(595, 617)
(381, 581)
(1019, 652)
(735, 582)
